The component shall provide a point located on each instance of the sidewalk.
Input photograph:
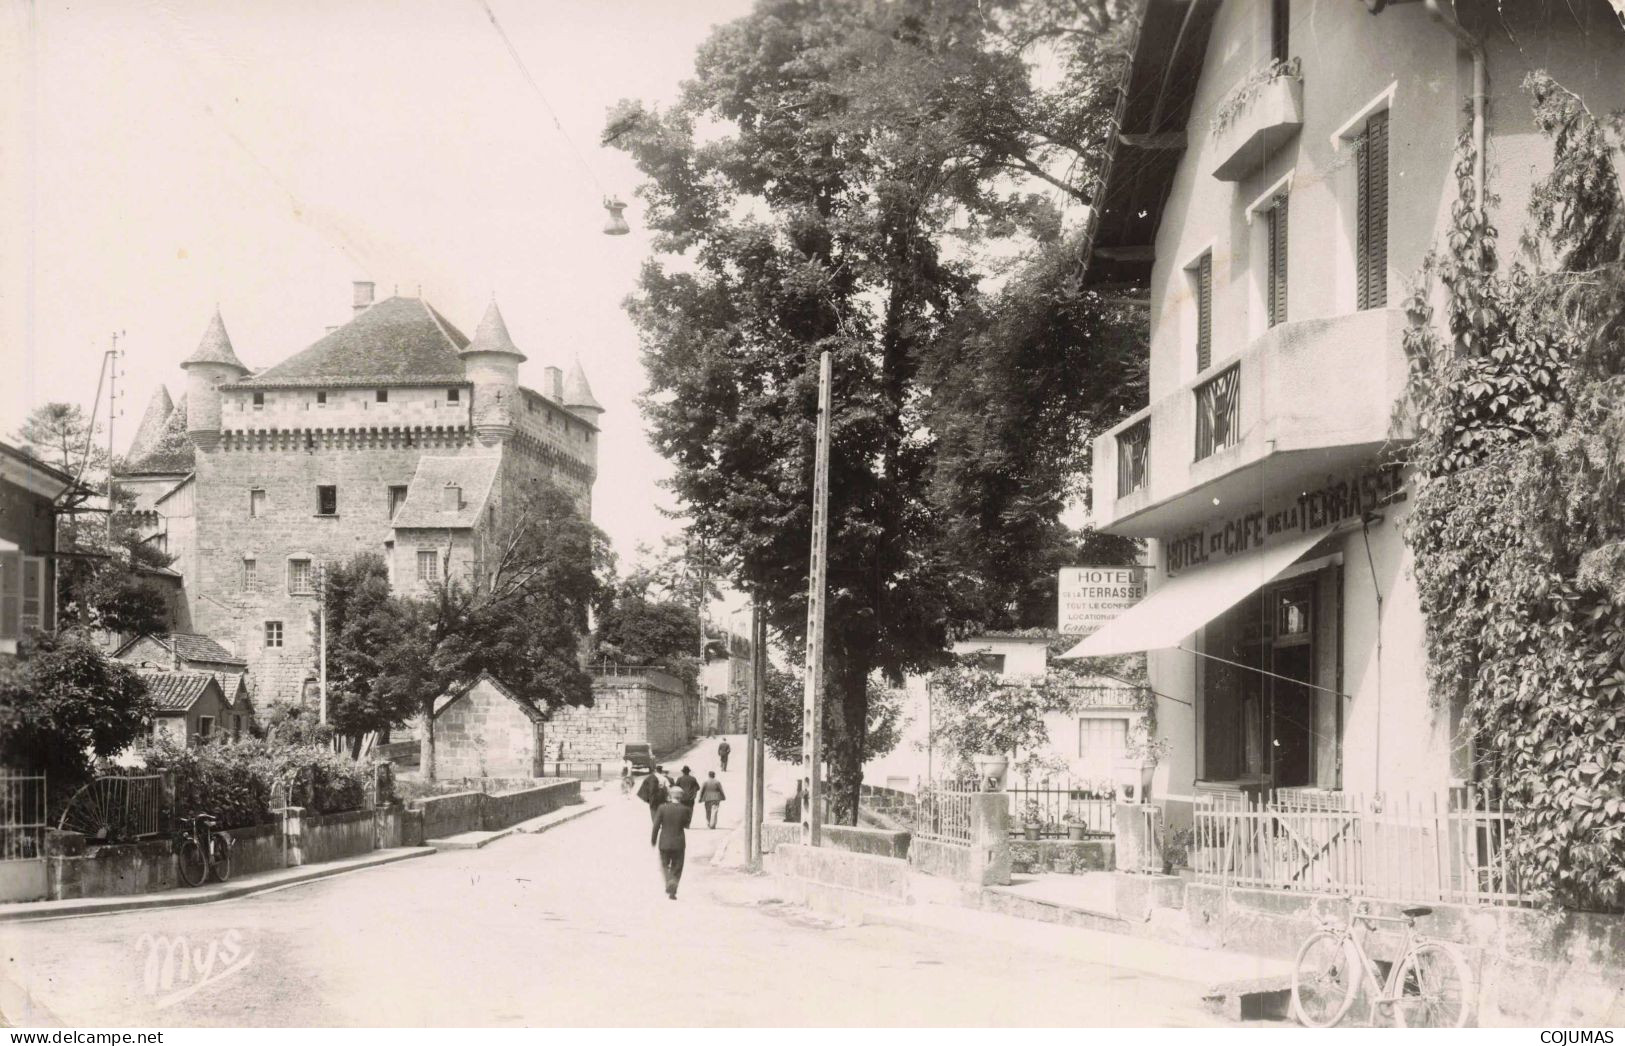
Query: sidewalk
(28, 911)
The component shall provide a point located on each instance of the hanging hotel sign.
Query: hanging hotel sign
(1337, 500)
(1092, 596)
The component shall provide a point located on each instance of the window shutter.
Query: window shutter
(1278, 257)
(11, 594)
(1371, 241)
(1204, 313)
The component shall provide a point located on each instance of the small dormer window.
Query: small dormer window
(383, 395)
(454, 497)
(453, 395)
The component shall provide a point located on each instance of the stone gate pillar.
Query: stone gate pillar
(990, 838)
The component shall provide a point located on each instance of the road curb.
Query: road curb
(180, 898)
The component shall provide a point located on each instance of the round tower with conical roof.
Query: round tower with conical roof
(579, 400)
(491, 362)
(213, 364)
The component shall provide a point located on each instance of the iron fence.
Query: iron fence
(1453, 846)
(1056, 804)
(22, 817)
(117, 808)
(943, 813)
(1218, 412)
(580, 771)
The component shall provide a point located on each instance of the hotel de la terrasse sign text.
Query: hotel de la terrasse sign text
(1092, 596)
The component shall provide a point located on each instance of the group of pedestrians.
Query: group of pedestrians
(671, 811)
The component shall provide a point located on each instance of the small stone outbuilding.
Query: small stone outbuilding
(487, 730)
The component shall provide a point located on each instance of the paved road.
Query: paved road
(567, 928)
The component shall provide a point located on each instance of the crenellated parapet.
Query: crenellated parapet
(382, 437)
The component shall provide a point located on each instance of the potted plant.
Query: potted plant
(1137, 764)
(1032, 821)
(984, 717)
(1076, 828)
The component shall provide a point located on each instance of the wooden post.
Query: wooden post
(758, 675)
(751, 728)
(812, 705)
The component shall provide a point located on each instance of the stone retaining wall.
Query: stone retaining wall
(876, 841)
(445, 815)
(333, 837)
(448, 815)
(258, 848)
(838, 882)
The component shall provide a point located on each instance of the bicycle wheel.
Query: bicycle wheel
(1324, 979)
(1434, 988)
(194, 865)
(220, 856)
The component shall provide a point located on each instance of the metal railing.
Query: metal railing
(1055, 804)
(22, 817)
(943, 813)
(117, 808)
(581, 771)
(1451, 846)
(1133, 457)
(1218, 412)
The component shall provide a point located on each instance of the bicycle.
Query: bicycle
(199, 850)
(1427, 988)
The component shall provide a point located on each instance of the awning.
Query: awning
(1191, 600)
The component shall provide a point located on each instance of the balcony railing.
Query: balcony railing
(1133, 457)
(1218, 412)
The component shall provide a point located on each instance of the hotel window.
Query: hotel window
(256, 503)
(300, 577)
(259, 401)
(1275, 282)
(1102, 740)
(428, 566)
(251, 570)
(273, 635)
(1201, 277)
(33, 602)
(397, 498)
(1280, 29)
(453, 395)
(1371, 214)
(383, 395)
(327, 501)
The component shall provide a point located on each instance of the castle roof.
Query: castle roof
(426, 501)
(577, 393)
(215, 346)
(492, 335)
(152, 424)
(168, 451)
(398, 341)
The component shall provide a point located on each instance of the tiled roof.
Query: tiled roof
(492, 335)
(176, 691)
(191, 646)
(445, 701)
(398, 341)
(170, 451)
(215, 346)
(152, 424)
(426, 499)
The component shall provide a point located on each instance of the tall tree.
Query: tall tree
(836, 177)
(365, 625)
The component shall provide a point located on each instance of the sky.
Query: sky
(158, 159)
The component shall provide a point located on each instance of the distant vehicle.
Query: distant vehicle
(641, 757)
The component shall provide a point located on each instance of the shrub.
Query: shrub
(242, 783)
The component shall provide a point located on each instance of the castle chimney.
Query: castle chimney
(363, 295)
(553, 384)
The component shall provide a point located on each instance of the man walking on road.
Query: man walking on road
(690, 786)
(667, 837)
(653, 791)
(722, 754)
(711, 795)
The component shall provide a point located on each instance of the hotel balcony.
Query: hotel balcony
(1262, 125)
(1305, 400)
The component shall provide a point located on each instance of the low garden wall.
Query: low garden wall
(108, 871)
(333, 837)
(838, 882)
(448, 815)
(445, 815)
(1061, 855)
(779, 833)
(257, 849)
(876, 841)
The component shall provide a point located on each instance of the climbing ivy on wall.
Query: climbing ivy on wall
(1519, 402)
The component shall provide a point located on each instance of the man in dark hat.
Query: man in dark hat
(690, 786)
(669, 840)
(654, 792)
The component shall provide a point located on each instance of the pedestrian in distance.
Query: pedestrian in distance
(668, 838)
(722, 754)
(690, 786)
(711, 795)
(626, 779)
(654, 792)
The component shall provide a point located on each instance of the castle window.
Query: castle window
(327, 501)
(397, 498)
(259, 401)
(273, 635)
(256, 503)
(321, 399)
(299, 577)
(251, 570)
(428, 566)
(453, 395)
(383, 395)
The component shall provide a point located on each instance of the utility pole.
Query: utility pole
(758, 694)
(112, 412)
(812, 704)
(321, 631)
(752, 728)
